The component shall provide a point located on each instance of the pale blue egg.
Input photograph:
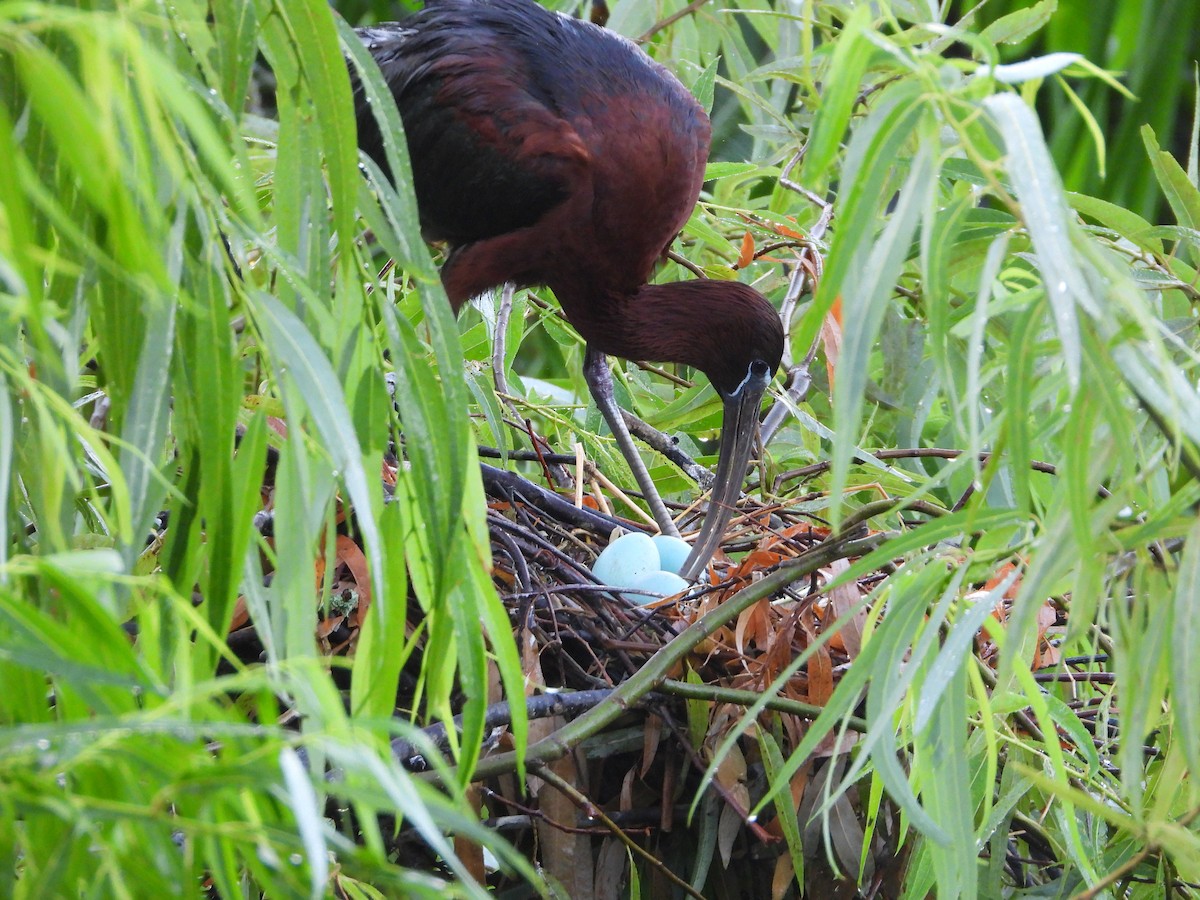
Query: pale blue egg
(626, 559)
(660, 582)
(672, 552)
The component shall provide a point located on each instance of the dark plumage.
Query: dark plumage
(546, 150)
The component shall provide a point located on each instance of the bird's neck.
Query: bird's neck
(655, 322)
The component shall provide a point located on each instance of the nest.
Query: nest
(766, 628)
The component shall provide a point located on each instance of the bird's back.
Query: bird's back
(513, 113)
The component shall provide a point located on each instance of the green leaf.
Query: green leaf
(1016, 26)
(1181, 193)
(303, 364)
(1185, 648)
(1046, 216)
(851, 56)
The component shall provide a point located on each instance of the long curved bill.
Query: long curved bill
(738, 429)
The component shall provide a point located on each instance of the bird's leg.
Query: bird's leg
(600, 383)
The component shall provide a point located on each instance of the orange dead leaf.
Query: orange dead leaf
(784, 231)
(820, 671)
(746, 256)
(328, 626)
(240, 615)
(1044, 654)
(831, 337)
(1000, 575)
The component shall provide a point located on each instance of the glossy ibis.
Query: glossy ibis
(547, 150)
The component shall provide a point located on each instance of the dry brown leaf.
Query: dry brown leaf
(625, 803)
(755, 560)
(841, 600)
(1000, 575)
(241, 615)
(754, 622)
(329, 626)
(780, 651)
(785, 875)
(820, 672)
(470, 852)
(731, 775)
(566, 856)
(651, 739)
(350, 554)
(728, 828)
(531, 664)
(784, 231)
(610, 869)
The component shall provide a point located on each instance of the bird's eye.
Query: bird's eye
(760, 369)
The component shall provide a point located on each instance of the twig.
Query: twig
(542, 706)
(1120, 872)
(510, 484)
(670, 20)
(499, 342)
(717, 694)
(616, 491)
(664, 444)
(908, 453)
(682, 260)
(663, 373)
(805, 276)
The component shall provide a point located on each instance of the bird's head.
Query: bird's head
(741, 338)
(733, 334)
(744, 349)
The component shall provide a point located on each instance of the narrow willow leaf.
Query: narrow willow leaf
(866, 295)
(8, 439)
(302, 801)
(941, 766)
(1193, 167)
(1047, 218)
(705, 84)
(1164, 387)
(955, 650)
(1181, 193)
(301, 362)
(400, 202)
(878, 141)
(704, 850)
(145, 427)
(1128, 224)
(851, 55)
(717, 170)
(1185, 649)
(307, 27)
(382, 652)
(900, 655)
(1083, 739)
(1016, 26)
(1093, 127)
(235, 26)
(1030, 69)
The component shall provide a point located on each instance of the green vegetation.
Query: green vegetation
(181, 273)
